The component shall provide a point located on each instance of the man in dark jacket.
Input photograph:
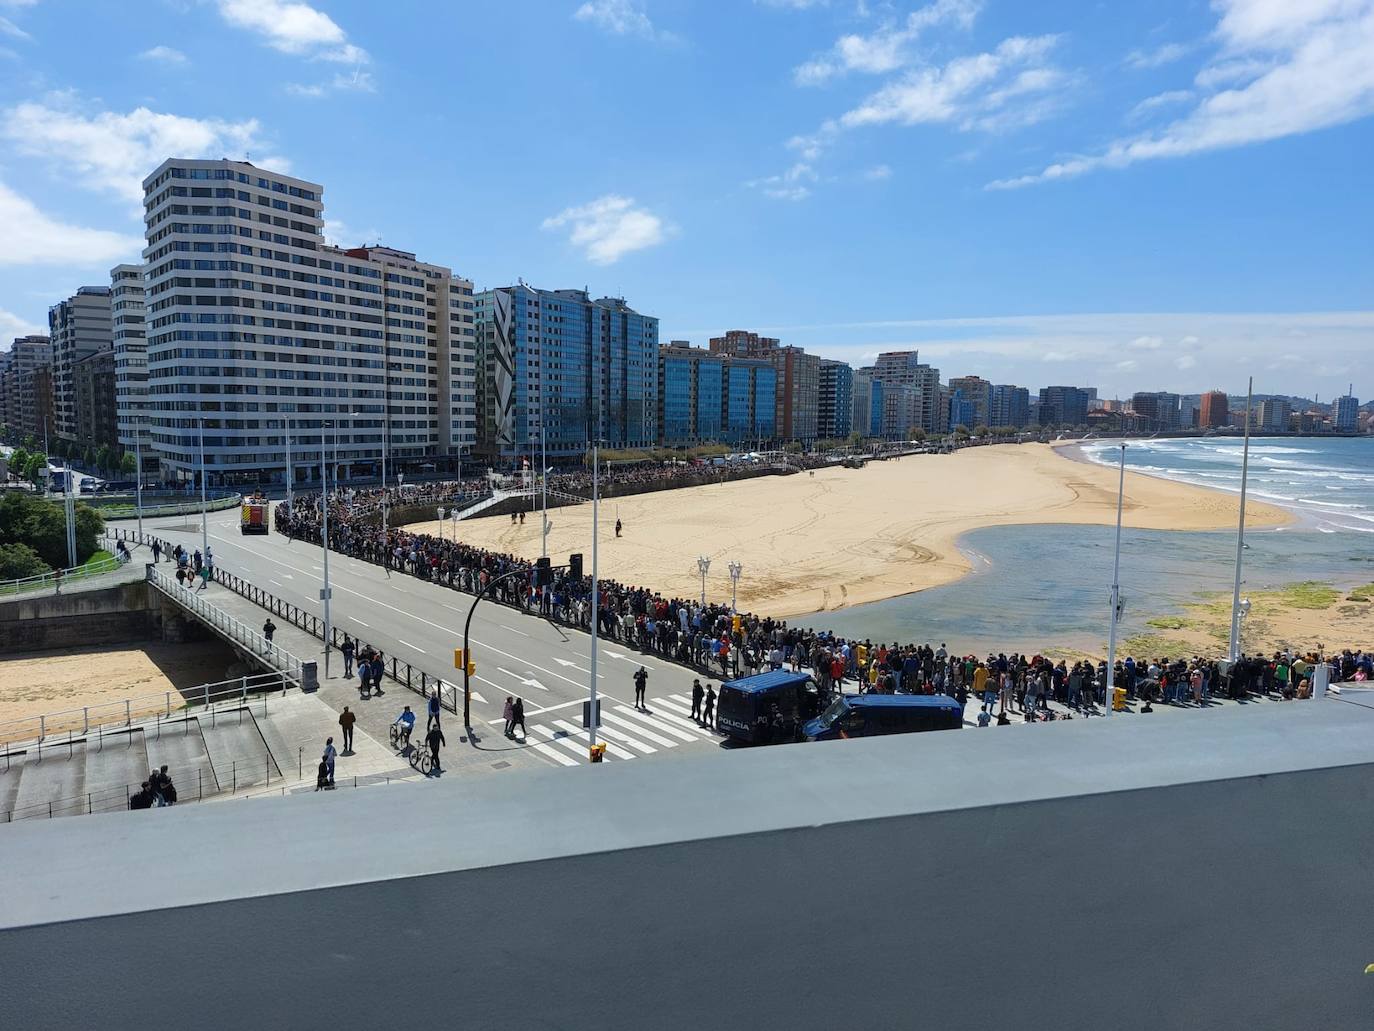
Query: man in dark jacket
(435, 739)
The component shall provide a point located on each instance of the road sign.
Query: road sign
(326, 593)
(587, 714)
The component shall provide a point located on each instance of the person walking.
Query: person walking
(697, 695)
(517, 718)
(378, 671)
(618, 526)
(346, 721)
(509, 713)
(328, 759)
(268, 629)
(347, 649)
(641, 680)
(435, 739)
(204, 578)
(157, 551)
(433, 711)
(708, 714)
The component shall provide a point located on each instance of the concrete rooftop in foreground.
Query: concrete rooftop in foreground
(997, 860)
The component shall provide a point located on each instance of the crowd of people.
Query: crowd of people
(719, 642)
(155, 792)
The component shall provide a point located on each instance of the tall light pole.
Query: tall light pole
(703, 564)
(735, 570)
(1116, 586)
(596, 605)
(385, 433)
(204, 522)
(324, 539)
(543, 485)
(138, 473)
(69, 510)
(290, 472)
(1234, 653)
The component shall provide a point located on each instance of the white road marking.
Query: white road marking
(551, 708)
(525, 681)
(678, 719)
(513, 630)
(361, 623)
(664, 727)
(620, 735)
(560, 739)
(581, 736)
(552, 753)
(581, 669)
(277, 582)
(409, 645)
(634, 726)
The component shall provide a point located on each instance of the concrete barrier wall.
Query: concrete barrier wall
(118, 615)
(1230, 904)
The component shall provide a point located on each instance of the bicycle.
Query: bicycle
(398, 736)
(420, 759)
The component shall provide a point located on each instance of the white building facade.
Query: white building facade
(130, 354)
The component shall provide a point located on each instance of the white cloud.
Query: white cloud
(1297, 67)
(878, 173)
(164, 55)
(609, 227)
(1185, 361)
(8, 28)
(12, 325)
(886, 49)
(1147, 343)
(1127, 365)
(961, 89)
(31, 237)
(358, 81)
(795, 5)
(621, 18)
(294, 28)
(1166, 54)
(113, 151)
(1168, 97)
(791, 185)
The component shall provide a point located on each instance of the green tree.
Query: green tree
(41, 525)
(980, 430)
(19, 462)
(18, 561)
(961, 431)
(128, 465)
(104, 458)
(33, 469)
(855, 438)
(916, 434)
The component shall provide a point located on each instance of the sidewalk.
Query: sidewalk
(302, 645)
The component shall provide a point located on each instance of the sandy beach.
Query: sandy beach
(842, 537)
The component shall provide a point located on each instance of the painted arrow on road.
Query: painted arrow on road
(583, 669)
(616, 655)
(526, 681)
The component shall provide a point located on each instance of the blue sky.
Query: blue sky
(1162, 195)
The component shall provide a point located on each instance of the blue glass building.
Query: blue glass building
(714, 398)
(834, 417)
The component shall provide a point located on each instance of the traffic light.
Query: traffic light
(575, 566)
(543, 572)
(459, 658)
(472, 668)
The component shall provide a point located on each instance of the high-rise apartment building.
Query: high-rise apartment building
(94, 398)
(977, 392)
(1345, 413)
(1274, 413)
(835, 408)
(709, 397)
(78, 327)
(560, 363)
(257, 329)
(923, 407)
(1010, 406)
(1065, 406)
(1214, 412)
(902, 409)
(27, 387)
(799, 380)
(866, 414)
(130, 353)
(1158, 410)
(962, 412)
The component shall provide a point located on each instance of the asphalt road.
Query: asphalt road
(516, 654)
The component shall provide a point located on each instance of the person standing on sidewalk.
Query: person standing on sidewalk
(697, 695)
(346, 721)
(509, 714)
(378, 671)
(708, 714)
(157, 551)
(517, 718)
(347, 649)
(268, 629)
(433, 712)
(328, 759)
(641, 680)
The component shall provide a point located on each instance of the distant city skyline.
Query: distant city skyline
(1160, 197)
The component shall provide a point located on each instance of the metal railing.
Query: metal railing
(227, 626)
(58, 577)
(402, 672)
(128, 509)
(78, 724)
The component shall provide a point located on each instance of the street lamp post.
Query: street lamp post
(324, 539)
(1116, 587)
(204, 521)
(596, 605)
(1240, 531)
(735, 570)
(703, 564)
(290, 473)
(138, 474)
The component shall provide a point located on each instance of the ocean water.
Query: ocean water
(1040, 586)
(1330, 482)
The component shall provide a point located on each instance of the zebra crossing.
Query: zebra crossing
(627, 732)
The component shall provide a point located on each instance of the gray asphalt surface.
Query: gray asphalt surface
(421, 623)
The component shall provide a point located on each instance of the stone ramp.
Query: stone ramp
(181, 748)
(115, 770)
(53, 785)
(237, 751)
(295, 728)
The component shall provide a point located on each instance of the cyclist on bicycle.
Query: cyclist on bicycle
(406, 721)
